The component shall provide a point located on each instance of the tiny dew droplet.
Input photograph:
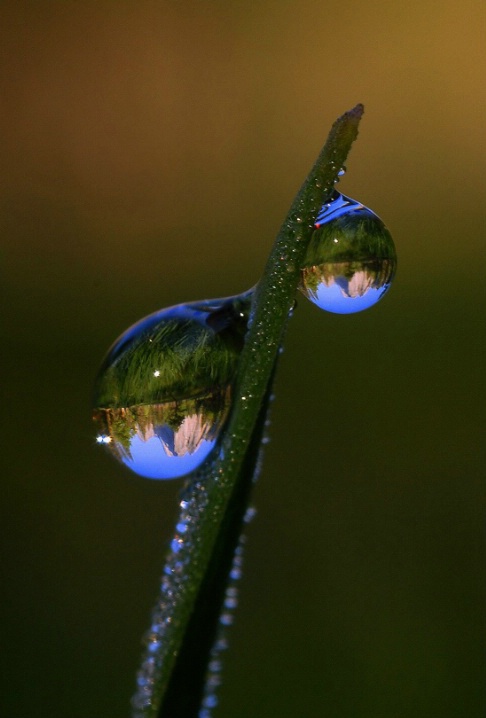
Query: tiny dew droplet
(163, 392)
(351, 259)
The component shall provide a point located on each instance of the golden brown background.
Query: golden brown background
(150, 151)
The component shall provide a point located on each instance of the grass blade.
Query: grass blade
(214, 499)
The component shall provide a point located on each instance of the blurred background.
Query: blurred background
(150, 151)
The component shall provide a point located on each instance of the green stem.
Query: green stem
(207, 497)
(185, 689)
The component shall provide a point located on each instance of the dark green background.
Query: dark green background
(150, 152)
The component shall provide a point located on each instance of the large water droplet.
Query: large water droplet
(351, 259)
(164, 390)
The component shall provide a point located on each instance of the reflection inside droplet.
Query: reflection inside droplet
(164, 441)
(351, 259)
(347, 287)
(164, 390)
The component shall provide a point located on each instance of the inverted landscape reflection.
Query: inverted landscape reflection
(346, 288)
(163, 441)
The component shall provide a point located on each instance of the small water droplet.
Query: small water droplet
(251, 511)
(148, 666)
(139, 701)
(351, 259)
(154, 646)
(215, 666)
(210, 701)
(176, 545)
(164, 390)
(221, 644)
(226, 619)
(143, 680)
(213, 681)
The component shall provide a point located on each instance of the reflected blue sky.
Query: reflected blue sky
(151, 460)
(332, 298)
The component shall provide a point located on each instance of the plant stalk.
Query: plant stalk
(209, 498)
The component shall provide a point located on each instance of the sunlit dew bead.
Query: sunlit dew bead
(351, 259)
(163, 392)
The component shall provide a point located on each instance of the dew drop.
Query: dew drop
(215, 666)
(213, 681)
(351, 259)
(164, 389)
